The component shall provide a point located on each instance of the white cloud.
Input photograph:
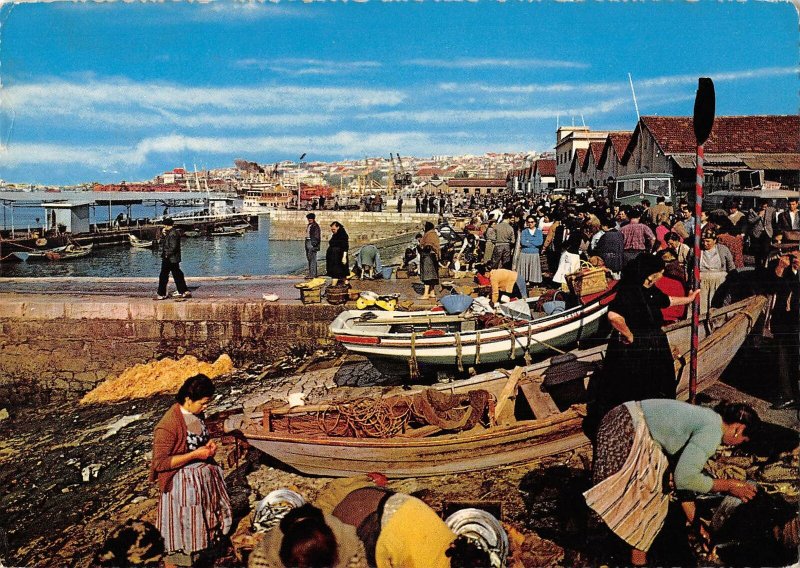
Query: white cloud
(59, 94)
(477, 63)
(301, 67)
(615, 86)
(343, 143)
(451, 116)
(212, 10)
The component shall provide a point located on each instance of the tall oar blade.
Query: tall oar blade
(703, 121)
(704, 109)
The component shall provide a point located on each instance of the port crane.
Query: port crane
(401, 178)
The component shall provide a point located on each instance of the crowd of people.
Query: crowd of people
(641, 435)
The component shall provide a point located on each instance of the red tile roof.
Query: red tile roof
(546, 168)
(429, 172)
(730, 134)
(616, 141)
(596, 149)
(619, 140)
(577, 159)
(475, 182)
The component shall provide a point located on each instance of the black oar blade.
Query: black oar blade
(704, 108)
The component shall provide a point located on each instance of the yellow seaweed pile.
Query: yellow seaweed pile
(164, 376)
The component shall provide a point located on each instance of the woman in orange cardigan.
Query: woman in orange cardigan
(194, 509)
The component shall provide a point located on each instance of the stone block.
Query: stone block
(97, 310)
(142, 310)
(42, 310)
(147, 329)
(11, 308)
(250, 311)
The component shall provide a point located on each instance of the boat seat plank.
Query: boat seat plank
(504, 408)
(540, 402)
(413, 320)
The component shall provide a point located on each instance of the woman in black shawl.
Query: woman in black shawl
(336, 255)
(638, 363)
(429, 261)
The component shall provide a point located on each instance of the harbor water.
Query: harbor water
(251, 254)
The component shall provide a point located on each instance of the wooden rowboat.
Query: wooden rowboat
(136, 242)
(528, 421)
(67, 252)
(435, 339)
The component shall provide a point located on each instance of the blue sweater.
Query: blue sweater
(530, 243)
(693, 431)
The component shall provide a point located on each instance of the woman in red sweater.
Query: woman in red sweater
(194, 509)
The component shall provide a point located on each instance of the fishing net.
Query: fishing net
(391, 416)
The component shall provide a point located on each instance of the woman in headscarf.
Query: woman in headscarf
(631, 464)
(336, 255)
(429, 261)
(638, 363)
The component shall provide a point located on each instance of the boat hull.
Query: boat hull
(494, 345)
(551, 430)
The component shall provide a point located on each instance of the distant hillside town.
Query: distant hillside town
(743, 152)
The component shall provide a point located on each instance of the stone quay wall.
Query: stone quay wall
(361, 226)
(55, 348)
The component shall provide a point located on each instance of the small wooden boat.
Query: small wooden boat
(526, 422)
(36, 254)
(136, 242)
(228, 232)
(70, 252)
(435, 339)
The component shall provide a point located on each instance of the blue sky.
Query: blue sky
(123, 91)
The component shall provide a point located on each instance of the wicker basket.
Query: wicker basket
(352, 295)
(311, 295)
(337, 294)
(586, 281)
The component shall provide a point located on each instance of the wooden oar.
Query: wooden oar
(702, 121)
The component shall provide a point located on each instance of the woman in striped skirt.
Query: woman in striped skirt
(630, 463)
(194, 509)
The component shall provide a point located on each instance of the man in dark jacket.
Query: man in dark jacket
(171, 262)
(785, 327)
(313, 239)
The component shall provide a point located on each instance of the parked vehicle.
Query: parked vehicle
(631, 189)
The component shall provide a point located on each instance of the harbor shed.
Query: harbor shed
(67, 217)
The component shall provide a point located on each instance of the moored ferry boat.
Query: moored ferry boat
(263, 194)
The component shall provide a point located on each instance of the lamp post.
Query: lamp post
(299, 187)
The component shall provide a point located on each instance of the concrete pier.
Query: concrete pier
(60, 337)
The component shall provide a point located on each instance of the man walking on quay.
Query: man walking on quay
(171, 262)
(313, 239)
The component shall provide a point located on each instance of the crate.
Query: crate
(401, 274)
(311, 295)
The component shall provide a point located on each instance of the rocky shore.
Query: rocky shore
(70, 474)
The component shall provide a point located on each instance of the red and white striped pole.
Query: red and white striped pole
(703, 121)
(698, 208)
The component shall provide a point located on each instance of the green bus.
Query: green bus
(631, 189)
